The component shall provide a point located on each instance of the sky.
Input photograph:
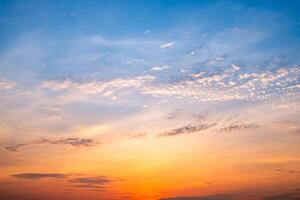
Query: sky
(149, 100)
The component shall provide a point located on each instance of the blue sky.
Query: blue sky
(144, 52)
(59, 29)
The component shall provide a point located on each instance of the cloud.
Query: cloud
(104, 88)
(120, 43)
(99, 182)
(287, 125)
(238, 127)
(210, 197)
(160, 68)
(293, 194)
(38, 175)
(288, 171)
(190, 128)
(175, 114)
(6, 84)
(76, 142)
(230, 84)
(167, 45)
(16, 147)
(126, 197)
(147, 31)
(139, 135)
(285, 196)
(97, 86)
(89, 186)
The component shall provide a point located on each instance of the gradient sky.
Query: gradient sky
(149, 100)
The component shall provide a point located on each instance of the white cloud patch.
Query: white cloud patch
(6, 84)
(160, 68)
(167, 45)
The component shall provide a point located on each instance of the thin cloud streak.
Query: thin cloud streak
(99, 180)
(210, 197)
(191, 128)
(288, 171)
(238, 127)
(38, 175)
(167, 45)
(76, 142)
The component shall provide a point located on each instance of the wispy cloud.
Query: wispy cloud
(167, 45)
(288, 171)
(147, 31)
(99, 180)
(76, 142)
(210, 197)
(98, 183)
(238, 127)
(39, 175)
(291, 195)
(141, 135)
(104, 88)
(190, 128)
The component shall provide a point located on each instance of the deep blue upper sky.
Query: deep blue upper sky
(61, 39)
(69, 19)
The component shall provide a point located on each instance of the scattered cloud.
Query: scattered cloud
(202, 86)
(230, 84)
(39, 175)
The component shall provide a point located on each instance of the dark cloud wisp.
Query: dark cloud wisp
(288, 171)
(99, 180)
(73, 141)
(98, 183)
(190, 128)
(38, 175)
(238, 127)
(210, 197)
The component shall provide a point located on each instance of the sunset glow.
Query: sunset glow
(149, 100)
